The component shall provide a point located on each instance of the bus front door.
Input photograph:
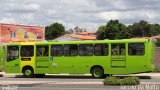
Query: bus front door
(12, 64)
(118, 55)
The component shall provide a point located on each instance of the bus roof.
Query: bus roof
(83, 42)
(95, 41)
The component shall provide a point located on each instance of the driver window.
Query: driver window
(12, 53)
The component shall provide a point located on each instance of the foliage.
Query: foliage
(124, 81)
(54, 30)
(116, 30)
(156, 70)
(157, 42)
(112, 81)
(129, 31)
(113, 30)
(101, 32)
(155, 29)
(141, 29)
(130, 81)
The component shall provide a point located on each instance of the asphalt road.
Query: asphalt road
(67, 83)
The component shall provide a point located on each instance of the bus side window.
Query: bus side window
(70, 50)
(101, 49)
(122, 50)
(42, 50)
(86, 50)
(27, 51)
(114, 49)
(12, 53)
(118, 49)
(136, 49)
(56, 50)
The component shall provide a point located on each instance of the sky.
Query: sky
(89, 14)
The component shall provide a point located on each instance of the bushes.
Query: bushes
(130, 81)
(156, 70)
(112, 81)
(124, 81)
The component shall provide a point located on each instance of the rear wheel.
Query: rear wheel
(28, 72)
(97, 72)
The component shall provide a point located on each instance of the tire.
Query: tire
(28, 73)
(97, 72)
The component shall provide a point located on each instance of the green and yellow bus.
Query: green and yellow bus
(96, 57)
(2, 56)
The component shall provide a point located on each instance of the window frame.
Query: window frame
(42, 53)
(85, 50)
(119, 53)
(102, 44)
(70, 50)
(12, 56)
(62, 50)
(136, 50)
(30, 52)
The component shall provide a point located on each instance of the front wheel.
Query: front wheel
(97, 72)
(28, 72)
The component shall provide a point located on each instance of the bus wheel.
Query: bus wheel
(97, 72)
(28, 72)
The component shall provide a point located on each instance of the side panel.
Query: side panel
(134, 63)
(137, 63)
(150, 56)
(123, 64)
(2, 58)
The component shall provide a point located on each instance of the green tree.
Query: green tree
(155, 29)
(122, 31)
(141, 29)
(116, 30)
(157, 43)
(101, 32)
(53, 31)
(129, 31)
(112, 30)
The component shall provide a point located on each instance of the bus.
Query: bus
(1, 57)
(96, 57)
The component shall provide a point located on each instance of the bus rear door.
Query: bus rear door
(42, 59)
(118, 55)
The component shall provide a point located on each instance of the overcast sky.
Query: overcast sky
(89, 14)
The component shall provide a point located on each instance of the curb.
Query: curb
(64, 83)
